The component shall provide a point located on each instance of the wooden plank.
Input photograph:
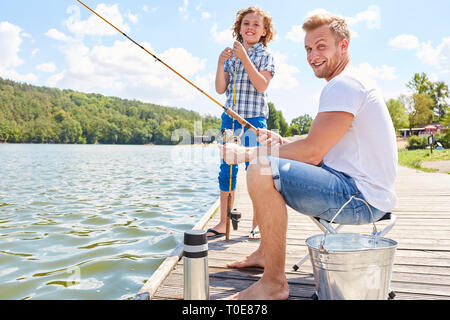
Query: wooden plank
(421, 266)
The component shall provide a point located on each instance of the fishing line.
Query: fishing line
(227, 110)
(235, 139)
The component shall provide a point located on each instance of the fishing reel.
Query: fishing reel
(228, 136)
(235, 217)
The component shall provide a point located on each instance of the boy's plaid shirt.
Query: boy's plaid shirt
(249, 102)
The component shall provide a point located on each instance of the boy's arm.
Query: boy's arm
(259, 79)
(222, 77)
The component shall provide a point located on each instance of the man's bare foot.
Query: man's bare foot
(264, 290)
(256, 259)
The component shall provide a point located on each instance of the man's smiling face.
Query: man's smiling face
(324, 52)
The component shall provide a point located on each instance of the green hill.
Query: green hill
(32, 114)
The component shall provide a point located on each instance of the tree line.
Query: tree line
(426, 104)
(32, 114)
(298, 126)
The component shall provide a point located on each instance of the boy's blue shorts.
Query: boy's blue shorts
(320, 192)
(248, 139)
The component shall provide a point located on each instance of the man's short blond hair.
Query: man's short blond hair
(337, 25)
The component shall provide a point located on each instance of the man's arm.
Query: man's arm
(326, 131)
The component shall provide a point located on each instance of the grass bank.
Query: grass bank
(414, 158)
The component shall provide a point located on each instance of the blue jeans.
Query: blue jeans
(320, 192)
(248, 139)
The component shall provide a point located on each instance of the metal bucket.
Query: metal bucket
(351, 266)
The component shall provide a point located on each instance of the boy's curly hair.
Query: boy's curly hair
(270, 31)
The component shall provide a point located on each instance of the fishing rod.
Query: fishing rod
(229, 111)
(227, 135)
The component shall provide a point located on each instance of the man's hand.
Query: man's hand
(233, 153)
(269, 138)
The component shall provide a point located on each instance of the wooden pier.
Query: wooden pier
(422, 262)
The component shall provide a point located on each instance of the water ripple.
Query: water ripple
(93, 222)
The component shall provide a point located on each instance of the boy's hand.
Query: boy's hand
(239, 50)
(225, 55)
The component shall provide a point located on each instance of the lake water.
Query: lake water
(95, 221)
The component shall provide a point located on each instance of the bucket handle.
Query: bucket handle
(375, 231)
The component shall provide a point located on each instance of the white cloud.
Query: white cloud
(10, 41)
(438, 57)
(94, 25)
(124, 70)
(206, 15)
(133, 17)
(405, 41)
(14, 75)
(371, 17)
(145, 8)
(222, 37)
(184, 9)
(57, 35)
(383, 73)
(47, 67)
(371, 74)
(435, 56)
(316, 11)
(296, 34)
(54, 79)
(284, 74)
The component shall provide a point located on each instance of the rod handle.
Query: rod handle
(244, 123)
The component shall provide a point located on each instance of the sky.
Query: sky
(59, 43)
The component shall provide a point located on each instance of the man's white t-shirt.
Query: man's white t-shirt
(368, 150)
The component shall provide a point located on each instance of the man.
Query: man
(349, 151)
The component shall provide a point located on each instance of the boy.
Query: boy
(253, 66)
